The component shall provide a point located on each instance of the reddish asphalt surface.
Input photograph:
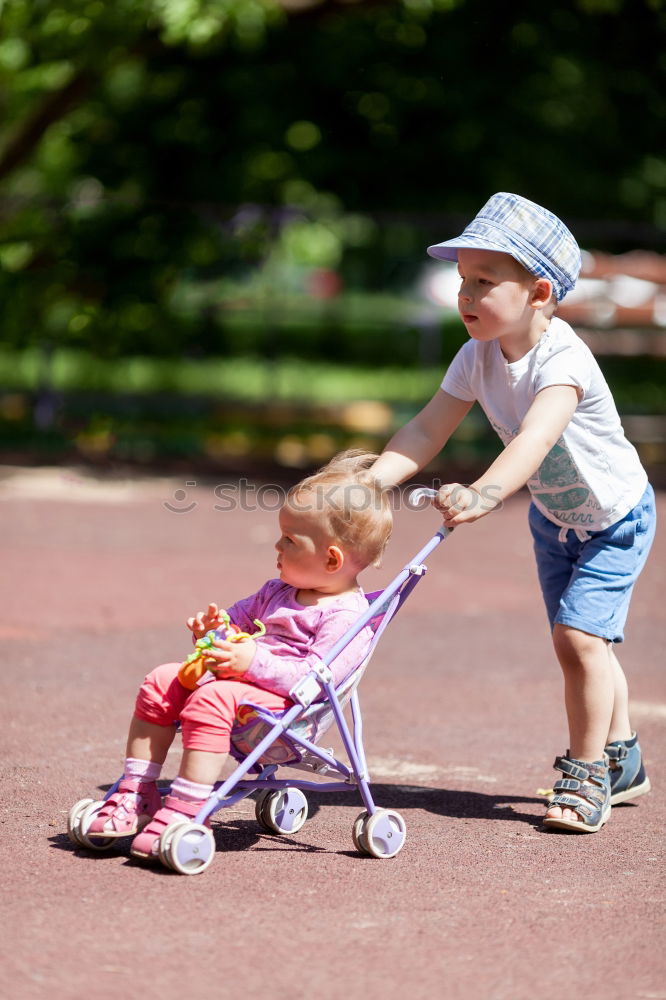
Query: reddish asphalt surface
(463, 717)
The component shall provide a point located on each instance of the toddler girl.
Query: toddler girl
(332, 525)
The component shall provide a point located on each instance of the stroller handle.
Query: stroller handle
(423, 492)
(387, 593)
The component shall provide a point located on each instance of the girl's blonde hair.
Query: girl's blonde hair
(353, 508)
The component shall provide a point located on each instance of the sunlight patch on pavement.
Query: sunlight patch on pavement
(14, 632)
(648, 710)
(394, 767)
(78, 487)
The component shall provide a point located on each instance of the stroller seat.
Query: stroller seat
(253, 723)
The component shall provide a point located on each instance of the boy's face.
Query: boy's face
(494, 296)
(302, 548)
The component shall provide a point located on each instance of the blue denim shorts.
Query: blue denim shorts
(587, 584)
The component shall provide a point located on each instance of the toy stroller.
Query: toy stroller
(262, 741)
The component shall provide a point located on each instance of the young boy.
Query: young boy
(592, 514)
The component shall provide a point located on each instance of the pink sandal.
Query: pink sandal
(146, 844)
(128, 810)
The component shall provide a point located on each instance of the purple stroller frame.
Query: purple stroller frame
(384, 606)
(386, 833)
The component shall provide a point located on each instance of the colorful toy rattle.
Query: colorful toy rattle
(193, 669)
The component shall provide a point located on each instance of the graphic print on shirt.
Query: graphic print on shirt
(558, 486)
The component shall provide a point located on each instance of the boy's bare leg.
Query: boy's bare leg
(620, 726)
(589, 694)
(148, 741)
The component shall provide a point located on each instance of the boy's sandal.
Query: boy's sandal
(127, 811)
(585, 789)
(174, 810)
(628, 779)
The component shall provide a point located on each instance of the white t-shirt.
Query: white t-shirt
(593, 476)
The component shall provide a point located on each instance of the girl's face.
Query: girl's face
(494, 295)
(302, 550)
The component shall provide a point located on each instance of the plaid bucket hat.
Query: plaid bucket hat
(532, 235)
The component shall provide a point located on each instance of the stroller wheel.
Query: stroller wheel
(282, 810)
(164, 843)
(259, 811)
(190, 849)
(74, 821)
(381, 835)
(85, 818)
(357, 833)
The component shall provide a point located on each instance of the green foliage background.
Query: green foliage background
(177, 175)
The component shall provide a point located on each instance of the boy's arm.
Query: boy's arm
(415, 444)
(540, 430)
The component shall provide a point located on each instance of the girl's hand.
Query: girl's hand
(229, 660)
(461, 504)
(204, 621)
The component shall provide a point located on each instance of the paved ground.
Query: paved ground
(463, 716)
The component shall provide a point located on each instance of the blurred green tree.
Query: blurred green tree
(147, 145)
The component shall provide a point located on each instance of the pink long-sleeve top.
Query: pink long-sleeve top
(298, 637)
